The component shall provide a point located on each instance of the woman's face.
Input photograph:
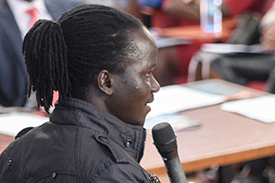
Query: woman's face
(134, 88)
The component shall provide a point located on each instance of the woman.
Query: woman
(100, 60)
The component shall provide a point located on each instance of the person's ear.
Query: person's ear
(105, 82)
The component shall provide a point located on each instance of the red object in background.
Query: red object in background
(259, 85)
(237, 7)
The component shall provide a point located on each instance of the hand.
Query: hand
(187, 1)
(268, 37)
(184, 9)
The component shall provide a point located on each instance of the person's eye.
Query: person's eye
(148, 74)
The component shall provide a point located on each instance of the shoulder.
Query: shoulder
(64, 4)
(41, 154)
(4, 10)
(56, 8)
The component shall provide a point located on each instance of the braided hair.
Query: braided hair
(66, 55)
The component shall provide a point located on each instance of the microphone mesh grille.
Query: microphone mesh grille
(164, 137)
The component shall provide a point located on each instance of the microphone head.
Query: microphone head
(164, 138)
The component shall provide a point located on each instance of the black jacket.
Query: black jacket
(82, 143)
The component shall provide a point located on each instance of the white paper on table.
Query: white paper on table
(163, 42)
(259, 108)
(176, 98)
(232, 48)
(12, 123)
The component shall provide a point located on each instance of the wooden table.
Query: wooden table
(224, 138)
(5, 140)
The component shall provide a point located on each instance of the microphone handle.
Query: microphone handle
(174, 168)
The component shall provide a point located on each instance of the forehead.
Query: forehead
(142, 38)
(145, 49)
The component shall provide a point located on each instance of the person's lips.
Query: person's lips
(150, 100)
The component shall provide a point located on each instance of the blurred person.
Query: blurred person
(100, 60)
(187, 12)
(268, 29)
(259, 170)
(128, 6)
(268, 38)
(244, 70)
(173, 13)
(15, 20)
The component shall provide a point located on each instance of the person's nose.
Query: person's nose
(155, 85)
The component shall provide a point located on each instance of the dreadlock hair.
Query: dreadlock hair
(66, 55)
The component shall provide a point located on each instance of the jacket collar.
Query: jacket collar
(83, 114)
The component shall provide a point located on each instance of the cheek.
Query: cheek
(142, 85)
(138, 84)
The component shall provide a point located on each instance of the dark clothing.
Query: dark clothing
(239, 68)
(13, 74)
(82, 143)
(246, 67)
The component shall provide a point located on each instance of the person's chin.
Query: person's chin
(148, 109)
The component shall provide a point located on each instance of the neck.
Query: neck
(97, 98)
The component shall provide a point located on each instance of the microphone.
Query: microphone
(166, 143)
